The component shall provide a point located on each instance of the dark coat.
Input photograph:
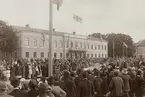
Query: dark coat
(116, 86)
(85, 89)
(77, 80)
(104, 85)
(139, 86)
(18, 93)
(33, 93)
(97, 85)
(69, 87)
(126, 81)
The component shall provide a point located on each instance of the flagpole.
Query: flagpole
(50, 64)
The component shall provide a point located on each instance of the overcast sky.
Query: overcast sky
(105, 16)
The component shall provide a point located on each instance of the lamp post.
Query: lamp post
(50, 63)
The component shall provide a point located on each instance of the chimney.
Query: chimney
(27, 25)
(74, 33)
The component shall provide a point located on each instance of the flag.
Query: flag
(77, 18)
(58, 3)
(124, 44)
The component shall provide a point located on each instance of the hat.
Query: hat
(3, 86)
(44, 87)
(32, 83)
(124, 71)
(50, 80)
(66, 73)
(15, 82)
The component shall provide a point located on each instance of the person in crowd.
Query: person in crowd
(85, 87)
(44, 90)
(78, 77)
(55, 89)
(139, 84)
(126, 81)
(25, 86)
(3, 90)
(116, 85)
(33, 88)
(97, 82)
(104, 84)
(68, 85)
(17, 92)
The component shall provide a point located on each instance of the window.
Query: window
(105, 55)
(99, 55)
(98, 47)
(88, 46)
(55, 44)
(67, 55)
(102, 55)
(76, 44)
(55, 55)
(61, 45)
(92, 46)
(60, 55)
(27, 54)
(67, 44)
(35, 54)
(42, 54)
(84, 46)
(26, 41)
(95, 55)
(88, 55)
(92, 55)
(71, 44)
(34, 42)
(80, 45)
(102, 47)
(95, 47)
(105, 47)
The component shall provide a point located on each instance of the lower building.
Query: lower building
(140, 49)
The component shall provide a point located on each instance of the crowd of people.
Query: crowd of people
(119, 77)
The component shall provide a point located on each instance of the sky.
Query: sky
(104, 16)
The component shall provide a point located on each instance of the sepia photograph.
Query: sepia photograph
(72, 48)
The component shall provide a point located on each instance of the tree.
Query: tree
(8, 38)
(118, 44)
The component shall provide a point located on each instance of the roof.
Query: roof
(141, 43)
(36, 30)
(95, 39)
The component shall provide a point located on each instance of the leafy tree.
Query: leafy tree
(118, 40)
(8, 38)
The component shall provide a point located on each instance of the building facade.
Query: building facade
(34, 43)
(140, 49)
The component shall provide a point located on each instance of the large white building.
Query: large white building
(34, 43)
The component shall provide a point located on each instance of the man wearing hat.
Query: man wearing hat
(17, 92)
(3, 89)
(126, 81)
(44, 90)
